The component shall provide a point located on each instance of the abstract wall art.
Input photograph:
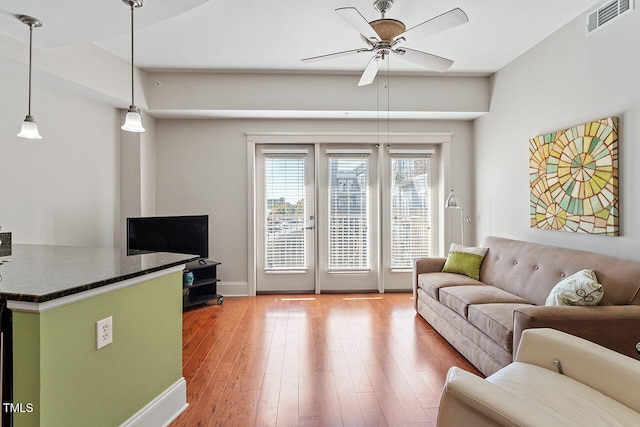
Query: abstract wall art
(574, 179)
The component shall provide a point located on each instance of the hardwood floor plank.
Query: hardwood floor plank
(350, 412)
(371, 410)
(321, 360)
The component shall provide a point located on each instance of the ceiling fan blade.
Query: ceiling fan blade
(370, 72)
(335, 55)
(359, 22)
(447, 20)
(433, 62)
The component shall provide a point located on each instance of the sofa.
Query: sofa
(556, 380)
(484, 317)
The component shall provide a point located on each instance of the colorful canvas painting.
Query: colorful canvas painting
(574, 179)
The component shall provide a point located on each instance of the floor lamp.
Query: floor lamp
(452, 203)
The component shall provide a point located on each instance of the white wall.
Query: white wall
(566, 80)
(202, 169)
(61, 189)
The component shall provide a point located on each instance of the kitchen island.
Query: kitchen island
(56, 296)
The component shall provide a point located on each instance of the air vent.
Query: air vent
(607, 13)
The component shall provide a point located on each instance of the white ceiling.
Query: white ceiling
(274, 35)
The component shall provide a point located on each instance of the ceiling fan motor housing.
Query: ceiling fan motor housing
(387, 29)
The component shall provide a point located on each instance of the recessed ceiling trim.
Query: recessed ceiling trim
(315, 114)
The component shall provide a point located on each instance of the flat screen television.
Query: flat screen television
(178, 234)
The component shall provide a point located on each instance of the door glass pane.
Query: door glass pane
(411, 235)
(285, 198)
(348, 212)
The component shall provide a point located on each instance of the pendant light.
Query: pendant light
(133, 121)
(29, 127)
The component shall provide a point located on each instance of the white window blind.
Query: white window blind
(348, 211)
(285, 201)
(411, 232)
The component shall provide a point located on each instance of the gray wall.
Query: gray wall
(202, 168)
(566, 80)
(62, 189)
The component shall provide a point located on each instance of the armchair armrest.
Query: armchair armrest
(613, 326)
(468, 400)
(609, 372)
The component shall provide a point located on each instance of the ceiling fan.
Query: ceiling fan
(385, 36)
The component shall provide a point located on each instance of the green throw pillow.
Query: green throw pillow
(581, 288)
(465, 260)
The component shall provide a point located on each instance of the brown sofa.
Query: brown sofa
(484, 319)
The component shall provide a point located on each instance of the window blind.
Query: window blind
(411, 231)
(284, 204)
(348, 211)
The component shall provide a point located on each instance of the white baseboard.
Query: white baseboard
(162, 410)
(233, 289)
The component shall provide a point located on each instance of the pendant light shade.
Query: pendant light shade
(29, 127)
(133, 121)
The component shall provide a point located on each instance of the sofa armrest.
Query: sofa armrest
(613, 326)
(609, 372)
(468, 400)
(428, 265)
(424, 265)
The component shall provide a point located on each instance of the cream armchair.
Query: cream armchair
(556, 380)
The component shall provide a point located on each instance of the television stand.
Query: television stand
(205, 282)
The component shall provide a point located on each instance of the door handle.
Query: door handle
(311, 227)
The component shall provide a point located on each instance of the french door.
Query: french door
(339, 217)
(348, 224)
(285, 212)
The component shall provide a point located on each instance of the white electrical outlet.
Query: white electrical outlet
(104, 332)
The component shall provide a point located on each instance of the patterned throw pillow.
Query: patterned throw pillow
(465, 260)
(581, 288)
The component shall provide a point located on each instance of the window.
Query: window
(348, 211)
(284, 211)
(411, 231)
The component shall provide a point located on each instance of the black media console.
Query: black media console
(205, 282)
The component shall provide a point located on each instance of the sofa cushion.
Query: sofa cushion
(495, 321)
(459, 298)
(432, 282)
(581, 288)
(464, 260)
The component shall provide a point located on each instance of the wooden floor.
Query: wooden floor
(317, 360)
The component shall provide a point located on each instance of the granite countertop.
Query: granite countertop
(39, 273)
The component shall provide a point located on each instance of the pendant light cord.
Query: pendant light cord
(132, 92)
(30, 56)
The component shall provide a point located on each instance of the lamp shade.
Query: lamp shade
(133, 121)
(452, 202)
(29, 129)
